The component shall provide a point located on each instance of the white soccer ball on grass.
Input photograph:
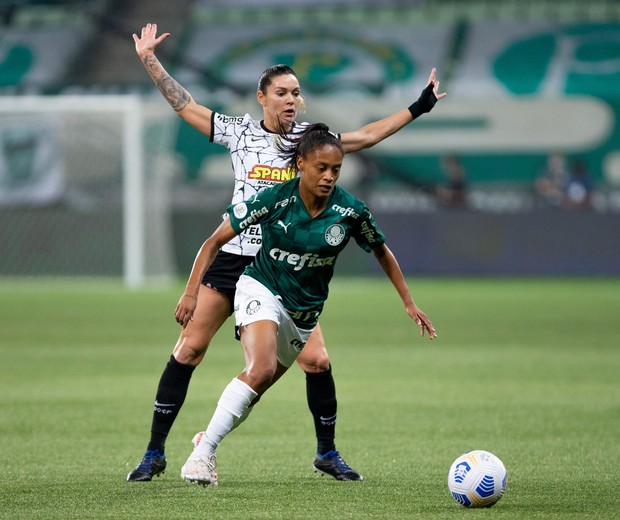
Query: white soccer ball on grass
(477, 479)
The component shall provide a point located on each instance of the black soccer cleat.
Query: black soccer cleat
(152, 464)
(332, 464)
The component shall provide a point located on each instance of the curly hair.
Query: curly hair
(306, 142)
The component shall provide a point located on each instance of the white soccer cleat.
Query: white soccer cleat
(200, 469)
(197, 438)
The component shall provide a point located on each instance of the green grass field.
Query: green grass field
(526, 368)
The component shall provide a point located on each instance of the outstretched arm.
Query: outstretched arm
(390, 266)
(206, 254)
(178, 97)
(375, 132)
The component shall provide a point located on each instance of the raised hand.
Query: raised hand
(148, 40)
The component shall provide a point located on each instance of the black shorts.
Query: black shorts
(224, 272)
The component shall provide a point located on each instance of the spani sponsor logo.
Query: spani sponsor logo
(268, 173)
(301, 261)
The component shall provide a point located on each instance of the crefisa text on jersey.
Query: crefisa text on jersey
(301, 261)
(253, 217)
(345, 212)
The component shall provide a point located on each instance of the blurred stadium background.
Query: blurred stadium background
(98, 177)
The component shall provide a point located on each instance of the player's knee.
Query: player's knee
(259, 377)
(190, 351)
(318, 362)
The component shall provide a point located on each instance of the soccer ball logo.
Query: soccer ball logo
(477, 479)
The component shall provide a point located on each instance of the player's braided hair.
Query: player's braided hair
(307, 141)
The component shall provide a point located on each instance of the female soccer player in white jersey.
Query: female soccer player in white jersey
(305, 224)
(256, 165)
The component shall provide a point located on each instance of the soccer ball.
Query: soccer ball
(477, 479)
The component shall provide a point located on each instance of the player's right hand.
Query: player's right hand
(185, 309)
(148, 40)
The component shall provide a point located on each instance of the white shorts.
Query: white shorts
(254, 302)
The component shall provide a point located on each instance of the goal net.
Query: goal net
(84, 187)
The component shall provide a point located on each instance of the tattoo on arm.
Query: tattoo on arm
(175, 94)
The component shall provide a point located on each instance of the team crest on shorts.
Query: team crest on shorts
(253, 307)
(334, 234)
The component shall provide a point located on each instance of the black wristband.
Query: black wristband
(425, 102)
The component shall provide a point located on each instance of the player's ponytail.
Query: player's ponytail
(307, 141)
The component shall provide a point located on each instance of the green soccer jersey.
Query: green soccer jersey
(297, 257)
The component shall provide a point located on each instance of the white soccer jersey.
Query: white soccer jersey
(256, 165)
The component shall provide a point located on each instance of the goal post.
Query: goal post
(133, 195)
(83, 187)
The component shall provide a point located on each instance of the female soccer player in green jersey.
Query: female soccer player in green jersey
(305, 224)
(256, 164)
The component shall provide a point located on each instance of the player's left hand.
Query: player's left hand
(428, 98)
(432, 79)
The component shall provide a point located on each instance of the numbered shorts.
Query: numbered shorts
(254, 302)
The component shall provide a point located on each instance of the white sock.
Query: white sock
(247, 412)
(231, 408)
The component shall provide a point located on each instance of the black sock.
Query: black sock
(170, 396)
(321, 394)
